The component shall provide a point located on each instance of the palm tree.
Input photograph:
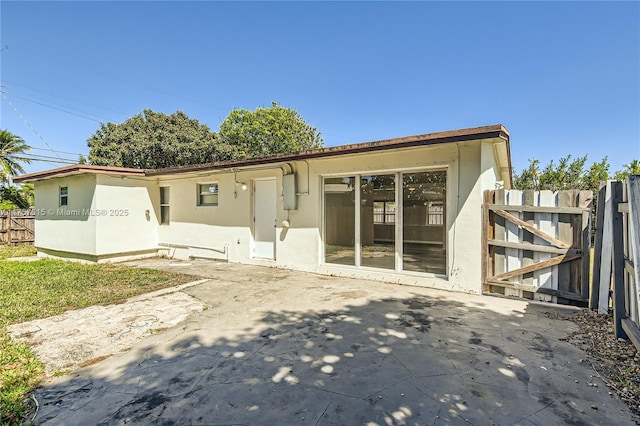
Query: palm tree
(12, 149)
(633, 168)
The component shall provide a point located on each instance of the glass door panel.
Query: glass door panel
(339, 220)
(424, 222)
(378, 221)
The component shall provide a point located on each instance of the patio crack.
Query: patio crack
(323, 413)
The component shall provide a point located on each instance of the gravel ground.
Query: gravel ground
(615, 361)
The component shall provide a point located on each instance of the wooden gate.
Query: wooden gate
(536, 244)
(17, 227)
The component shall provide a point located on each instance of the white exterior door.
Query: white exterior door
(264, 217)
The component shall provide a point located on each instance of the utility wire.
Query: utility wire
(28, 124)
(64, 97)
(62, 110)
(38, 156)
(59, 152)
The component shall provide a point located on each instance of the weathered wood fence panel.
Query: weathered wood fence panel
(618, 235)
(17, 227)
(536, 244)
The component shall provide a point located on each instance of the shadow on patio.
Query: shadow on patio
(419, 360)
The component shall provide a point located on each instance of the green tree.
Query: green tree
(565, 174)
(12, 150)
(16, 196)
(152, 140)
(268, 131)
(633, 168)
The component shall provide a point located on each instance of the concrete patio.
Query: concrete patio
(279, 347)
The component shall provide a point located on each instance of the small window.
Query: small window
(164, 205)
(384, 212)
(435, 213)
(208, 194)
(64, 196)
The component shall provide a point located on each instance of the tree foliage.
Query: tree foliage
(633, 168)
(152, 140)
(268, 131)
(12, 150)
(16, 196)
(565, 174)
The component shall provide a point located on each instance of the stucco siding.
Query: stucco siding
(212, 213)
(125, 217)
(69, 228)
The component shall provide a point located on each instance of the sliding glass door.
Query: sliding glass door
(391, 221)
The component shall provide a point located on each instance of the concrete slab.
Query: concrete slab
(282, 347)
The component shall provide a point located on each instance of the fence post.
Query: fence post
(619, 310)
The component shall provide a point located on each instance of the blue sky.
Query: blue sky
(563, 77)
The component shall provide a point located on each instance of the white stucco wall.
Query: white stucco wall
(106, 216)
(127, 222)
(66, 228)
(130, 211)
(208, 230)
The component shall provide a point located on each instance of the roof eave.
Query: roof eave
(478, 133)
(77, 169)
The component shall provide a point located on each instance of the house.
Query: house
(404, 210)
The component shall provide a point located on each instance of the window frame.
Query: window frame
(200, 194)
(63, 199)
(165, 219)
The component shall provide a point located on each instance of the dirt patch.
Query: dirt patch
(87, 336)
(615, 361)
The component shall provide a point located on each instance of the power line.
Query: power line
(62, 110)
(27, 123)
(41, 157)
(64, 97)
(58, 151)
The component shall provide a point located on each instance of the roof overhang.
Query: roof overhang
(497, 133)
(77, 169)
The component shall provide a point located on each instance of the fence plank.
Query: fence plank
(605, 254)
(528, 199)
(499, 258)
(594, 294)
(585, 201)
(546, 278)
(633, 196)
(513, 197)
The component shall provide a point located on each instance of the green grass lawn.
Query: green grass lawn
(39, 289)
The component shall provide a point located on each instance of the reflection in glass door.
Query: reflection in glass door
(424, 219)
(339, 220)
(378, 221)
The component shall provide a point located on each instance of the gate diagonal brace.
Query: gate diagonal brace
(521, 224)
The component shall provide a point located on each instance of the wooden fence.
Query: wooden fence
(616, 274)
(17, 227)
(536, 244)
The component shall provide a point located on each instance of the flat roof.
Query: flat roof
(496, 131)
